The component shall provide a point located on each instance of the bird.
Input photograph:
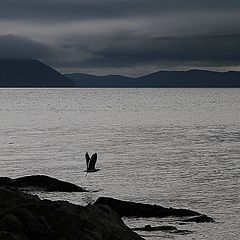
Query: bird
(91, 162)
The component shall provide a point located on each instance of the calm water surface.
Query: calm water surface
(172, 147)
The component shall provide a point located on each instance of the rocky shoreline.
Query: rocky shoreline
(24, 216)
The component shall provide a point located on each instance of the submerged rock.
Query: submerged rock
(132, 209)
(199, 219)
(158, 228)
(41, 183)
(170, 229)
(26, 217)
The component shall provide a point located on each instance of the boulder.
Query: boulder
(132, 209)
(26, 217)
(40, 183)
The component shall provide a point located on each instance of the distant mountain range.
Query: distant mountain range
(164, 79)
(33, 73)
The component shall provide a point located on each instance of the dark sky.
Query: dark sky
(130, 37)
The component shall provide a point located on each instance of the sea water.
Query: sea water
(173, 147)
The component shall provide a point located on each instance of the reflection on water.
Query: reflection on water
(173, 147)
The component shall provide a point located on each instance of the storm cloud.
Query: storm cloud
(122, 36)
(62, 10)
(21, 47)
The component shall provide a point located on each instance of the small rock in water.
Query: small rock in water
(170, 229)
(200, 219)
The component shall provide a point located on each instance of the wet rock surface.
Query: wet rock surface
(40, 183)
(26, 217)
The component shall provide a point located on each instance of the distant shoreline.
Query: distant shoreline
(30, 73)
(161, 79)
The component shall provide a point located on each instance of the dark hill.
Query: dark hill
(192, 78)
(31, 73)
(188, 79)
(87, 80)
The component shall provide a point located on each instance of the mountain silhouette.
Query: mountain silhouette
(33, 73)
(30, 73)
(178, 79)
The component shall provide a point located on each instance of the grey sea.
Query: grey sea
(172, 147)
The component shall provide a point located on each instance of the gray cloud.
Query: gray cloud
(17, 47)
(12, 46)
(124, 51)
(223, 50)
(121, 34)
(63, 10)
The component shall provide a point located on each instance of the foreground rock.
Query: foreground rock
(40, 183)
(132, 209)
(26, 217)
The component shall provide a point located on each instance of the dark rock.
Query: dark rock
(40, 182)
(10, 222)
(170, 229)
(8, 236)
(26, 217)
(200, 219)
(132, 209)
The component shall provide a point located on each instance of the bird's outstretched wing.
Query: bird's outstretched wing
(92, 162)
(87, 159)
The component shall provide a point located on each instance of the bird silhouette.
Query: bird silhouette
(91, 162)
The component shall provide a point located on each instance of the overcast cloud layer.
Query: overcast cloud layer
(130, 37)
